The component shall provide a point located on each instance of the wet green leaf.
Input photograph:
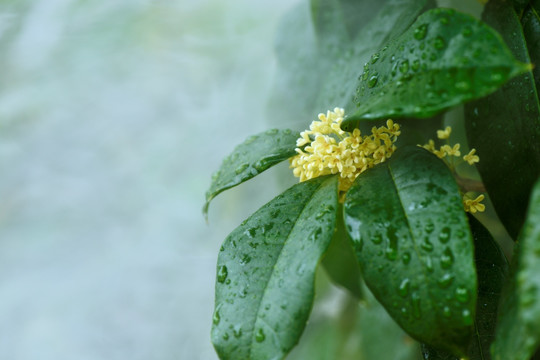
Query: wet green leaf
(518, 331)
(492, 269)
(413, 243)
(322, 48)
(266, 269)
(255, 155)
(505, 128)
(531, 32)
(439, 62)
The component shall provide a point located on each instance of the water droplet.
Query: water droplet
(447, 258)
(403, 289)
(462, 294)
(406, 258)
(447, 312)
(444, 235)
(467, 31)
(420, 32)
(246, 258)
(237, 331)
(429, 227)
(426, 244)
(373, 81)
(217, 317)
(315, 234)
(444, 20)
(429, 263)
(467, 317)
(404, 66)
(240, 169)
(225, 336)
(222, 274)
(267, 227)
(415, 65)
(445, 281)
(376, 238)
(251, 232)
(439, 43)
(374, 58)
(260, 336)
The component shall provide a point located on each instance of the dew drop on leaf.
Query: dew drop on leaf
(444, 235)
(373, 81)
(241, 168)
(445, 280)
(222, 274)
(420, 32)
(403, 289)
(447, 258)
(462, 294)
(260, 336)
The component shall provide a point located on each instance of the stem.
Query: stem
(470, 184)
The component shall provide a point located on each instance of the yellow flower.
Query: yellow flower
(471, 158)
(333, 150)
(474, 206)
(451, 151)
(444, 134)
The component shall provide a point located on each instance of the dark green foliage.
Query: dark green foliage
(518, 331)
(505, 128)
(439, 62)
(414, 246)
(266, 269)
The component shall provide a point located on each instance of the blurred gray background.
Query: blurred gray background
(113, 115)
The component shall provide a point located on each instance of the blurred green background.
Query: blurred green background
(113, 115)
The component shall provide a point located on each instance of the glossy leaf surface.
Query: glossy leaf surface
(255, 155)
(439, 62)
(518, 331)
(504, 128)
(492, 269)
(266, 269)
(414, 246)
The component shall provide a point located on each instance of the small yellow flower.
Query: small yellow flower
(430, 146)
(471, 158)
(333, 150)
(451, 151)
(444, 134)
(474, 206)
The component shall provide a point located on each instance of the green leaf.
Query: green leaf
(518, 331)
(322, 48)
(266, 269)
(504, 128)
(414, 246)
(531, 32)
(255, 155)
(340, 261)
(439, 62)
(492, 269)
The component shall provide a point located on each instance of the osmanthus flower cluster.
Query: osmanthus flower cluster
(330, 150)
(448, 154)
